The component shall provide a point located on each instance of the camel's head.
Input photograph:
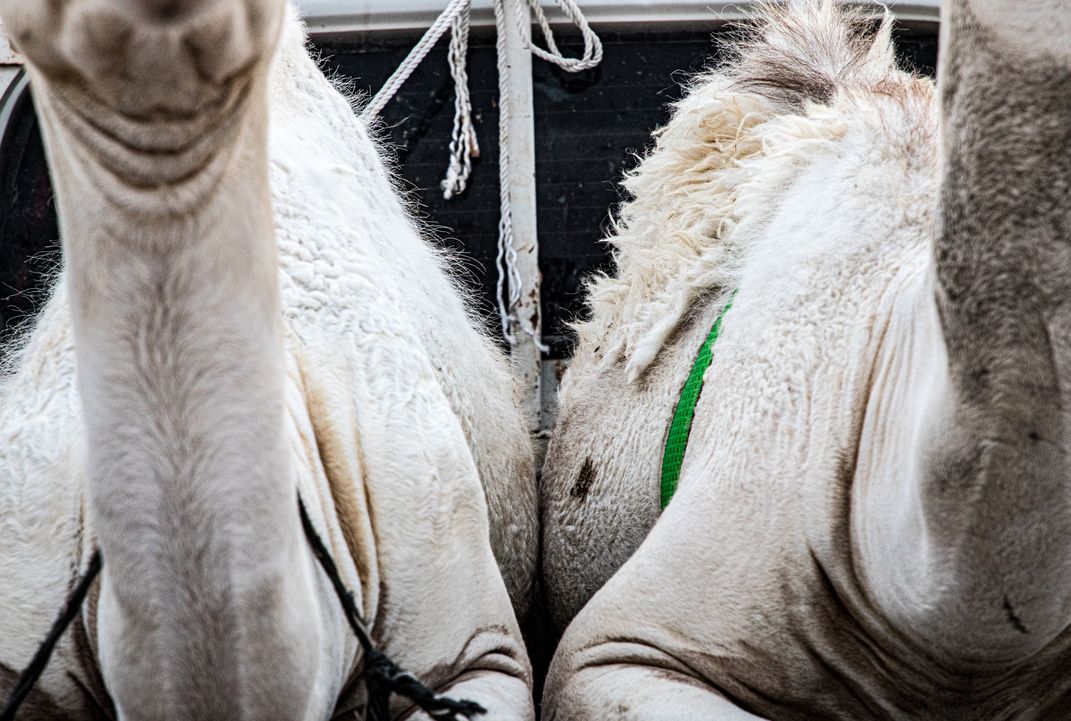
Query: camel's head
(149, 87)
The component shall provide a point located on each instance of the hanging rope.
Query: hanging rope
(508, 288)
(463, 142)
(454, 10)
(510, 283)
(382, 677)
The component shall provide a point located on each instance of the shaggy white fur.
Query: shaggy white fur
(337, 247)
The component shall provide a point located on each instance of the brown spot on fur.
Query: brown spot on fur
(345, 476)
(584, 481)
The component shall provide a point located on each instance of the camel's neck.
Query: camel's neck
(181, 368)
(994, 474)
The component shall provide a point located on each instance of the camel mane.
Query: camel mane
(673, 239)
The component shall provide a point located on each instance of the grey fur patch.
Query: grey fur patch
(799, 55)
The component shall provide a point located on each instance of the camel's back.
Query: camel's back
(747, 582)
(353, 259)
(737, 159)
(804, 325)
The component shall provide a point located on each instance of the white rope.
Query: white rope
(454, 10)
(592, 45)
(463, 142)
(464, 145)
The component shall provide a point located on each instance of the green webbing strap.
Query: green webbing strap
(681, 427)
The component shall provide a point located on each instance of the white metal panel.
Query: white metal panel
(345, 16)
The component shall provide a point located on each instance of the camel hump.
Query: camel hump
(807, 51)
(673, 239)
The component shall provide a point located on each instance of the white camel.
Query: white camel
(873, 519)
(246, 311)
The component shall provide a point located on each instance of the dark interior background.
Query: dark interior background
(589, 129)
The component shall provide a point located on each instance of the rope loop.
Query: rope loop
(383, 678)
(592, 44)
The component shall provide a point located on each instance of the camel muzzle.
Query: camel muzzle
(146, 58)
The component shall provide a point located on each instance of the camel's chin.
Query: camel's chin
(160, 165)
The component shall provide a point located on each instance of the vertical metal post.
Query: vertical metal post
(527, 358)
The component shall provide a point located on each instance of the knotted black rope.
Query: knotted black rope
(382, 677)
(33, 672)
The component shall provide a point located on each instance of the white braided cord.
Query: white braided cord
(455, 9)
(592, 44)
(464, 146)
(463, 142)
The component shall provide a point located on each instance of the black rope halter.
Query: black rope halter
(382, 677)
